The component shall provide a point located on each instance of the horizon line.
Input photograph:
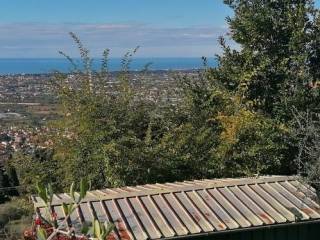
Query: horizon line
(99, 57)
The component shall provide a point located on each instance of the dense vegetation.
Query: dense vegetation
(238, 119)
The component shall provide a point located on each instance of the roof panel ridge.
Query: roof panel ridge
(161, 188)
(194, 208)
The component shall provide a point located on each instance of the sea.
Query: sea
(10, 66)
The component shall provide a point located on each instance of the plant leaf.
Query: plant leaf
(97, 229)
(71, 208)
(84, 187)
(65, 208)
(41, 234)
(72, 191)
(49, 192)
(42, 192)
(85, 228)
(110, 228)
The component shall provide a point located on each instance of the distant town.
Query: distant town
(27, 102)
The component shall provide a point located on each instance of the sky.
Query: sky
(162, 28)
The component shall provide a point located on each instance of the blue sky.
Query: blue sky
(163, 28)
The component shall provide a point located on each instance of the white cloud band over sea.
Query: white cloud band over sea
(36, 40)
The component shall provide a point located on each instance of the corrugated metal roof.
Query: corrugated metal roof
(169, 210)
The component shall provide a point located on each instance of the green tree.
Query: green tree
(278, 55)
(229, 121)
(3, 185)
(306, 130)
(116, 136)
(104, 130)
(33, 167)
(221, 135)
(273, 70)
(188, 150)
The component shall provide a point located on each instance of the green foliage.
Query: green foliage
(38, 166)
(15, 209)
(41, 234)
(233, 120)
(225, 136)
(121, 138)
(98, 230)
(45, 193)
(3, 184)
(306, 137)
(8, 182)
(104, 132)
(251, 144)
(116, 136)
(188, 149)
(14, 228)
(230, 121)
(274, 70)
(278, 60)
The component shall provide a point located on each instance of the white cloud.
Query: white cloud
(45, 40)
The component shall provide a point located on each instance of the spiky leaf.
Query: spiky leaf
(72, 191)
(49, 192)
(84, 187)
(97, 229)
(41, 234)
(65, 208)
(42, 192)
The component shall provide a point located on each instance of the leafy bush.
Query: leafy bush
(14, 210)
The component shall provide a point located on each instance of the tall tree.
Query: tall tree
(276, 63)
(3, 185)
(106, 131)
